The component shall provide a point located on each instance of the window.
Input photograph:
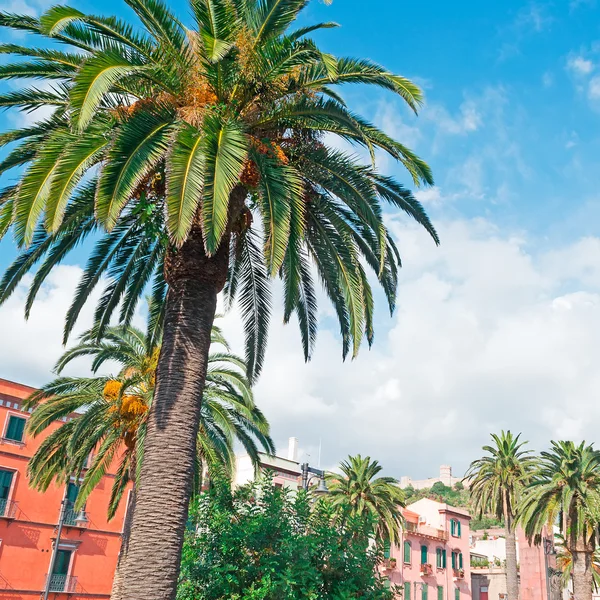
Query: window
(71, 496)
(423, 555)
(460, 560)
(406, 590)
(6, 478)
(455, 527)
(440, 592)
(407, 549)
(58, 580)
(424, 587)
(15, 428)
(454, 560)
(456, 594)
(440, 558)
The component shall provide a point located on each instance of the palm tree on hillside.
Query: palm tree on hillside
(176, 139)
(565, 491)
(496, 483)
(360, 490)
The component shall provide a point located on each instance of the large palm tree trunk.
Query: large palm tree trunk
(582, 575)
(151, 565)
(512, 573)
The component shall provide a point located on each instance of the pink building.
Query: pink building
(432, 560)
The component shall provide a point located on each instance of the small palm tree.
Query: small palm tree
(565, 490)
(360, 491)
(172, 139)
(111, 415)
(496, 482)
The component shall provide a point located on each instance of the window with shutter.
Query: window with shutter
(407, 549)
(407, 585)
(386, 550)
(458, 528)
(440, 592)
(15, 428)
(456, 594)
(423, 555)
(460, 561)
(454, 560)
(424, 591)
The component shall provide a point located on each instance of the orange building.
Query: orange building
(89, 544)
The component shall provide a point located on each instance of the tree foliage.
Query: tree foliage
(263, 542)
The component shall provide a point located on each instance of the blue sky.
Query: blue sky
(499, 326)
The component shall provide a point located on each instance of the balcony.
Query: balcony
(8, 509)
(76, 518)
(426, 531)
(61, 584)
(458, 574)
(389, 564)
(426, 570)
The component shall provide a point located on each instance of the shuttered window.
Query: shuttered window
(456, 594)
(407, 585)
(407, 550)
(424, 591)
(440, 592)
(386, 550)
(15, 428)
(423, 555)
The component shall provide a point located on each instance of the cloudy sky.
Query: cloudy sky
(499, 327)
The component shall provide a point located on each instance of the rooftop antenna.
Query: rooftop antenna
(319, 461)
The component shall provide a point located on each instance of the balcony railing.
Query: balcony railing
(8, 509)
(458, 573)
(426, 531)
(73, 518)
(61, 583)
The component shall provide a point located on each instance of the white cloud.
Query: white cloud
(487, 335)
(594, 88)
(579, 65)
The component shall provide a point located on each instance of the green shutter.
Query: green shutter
(454, 560)
(424, 591)
(458, 528)
(457, 594)
(72, 493)
(407, 549)
(443, 559)
(6, 478)
(438, 558)
(15, 429)
(460, 563)
(423, 555)
(440, 592)
(63, 559)
(406, 590)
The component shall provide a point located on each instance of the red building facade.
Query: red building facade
(89, 544)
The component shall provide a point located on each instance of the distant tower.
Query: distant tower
(293, 449)
(446, 475)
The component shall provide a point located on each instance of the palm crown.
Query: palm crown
(170, 130)
(113, 411)
(360, 490)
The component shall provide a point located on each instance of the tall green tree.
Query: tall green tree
(175, 139)
(564, 563)
(565, 491)
(111, 414)
(359, 491)
(496, 482)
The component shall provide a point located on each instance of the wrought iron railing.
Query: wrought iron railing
(8, 509)
(76, 518)
(61, 583)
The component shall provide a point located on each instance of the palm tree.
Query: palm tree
(112, 412)
(565, 490)
(175, 139)
(564, 563)
(496, 483)
(367, 496)
(111, 415)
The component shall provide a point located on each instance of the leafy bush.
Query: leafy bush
(263, 543)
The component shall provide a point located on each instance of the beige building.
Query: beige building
(445, 477)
